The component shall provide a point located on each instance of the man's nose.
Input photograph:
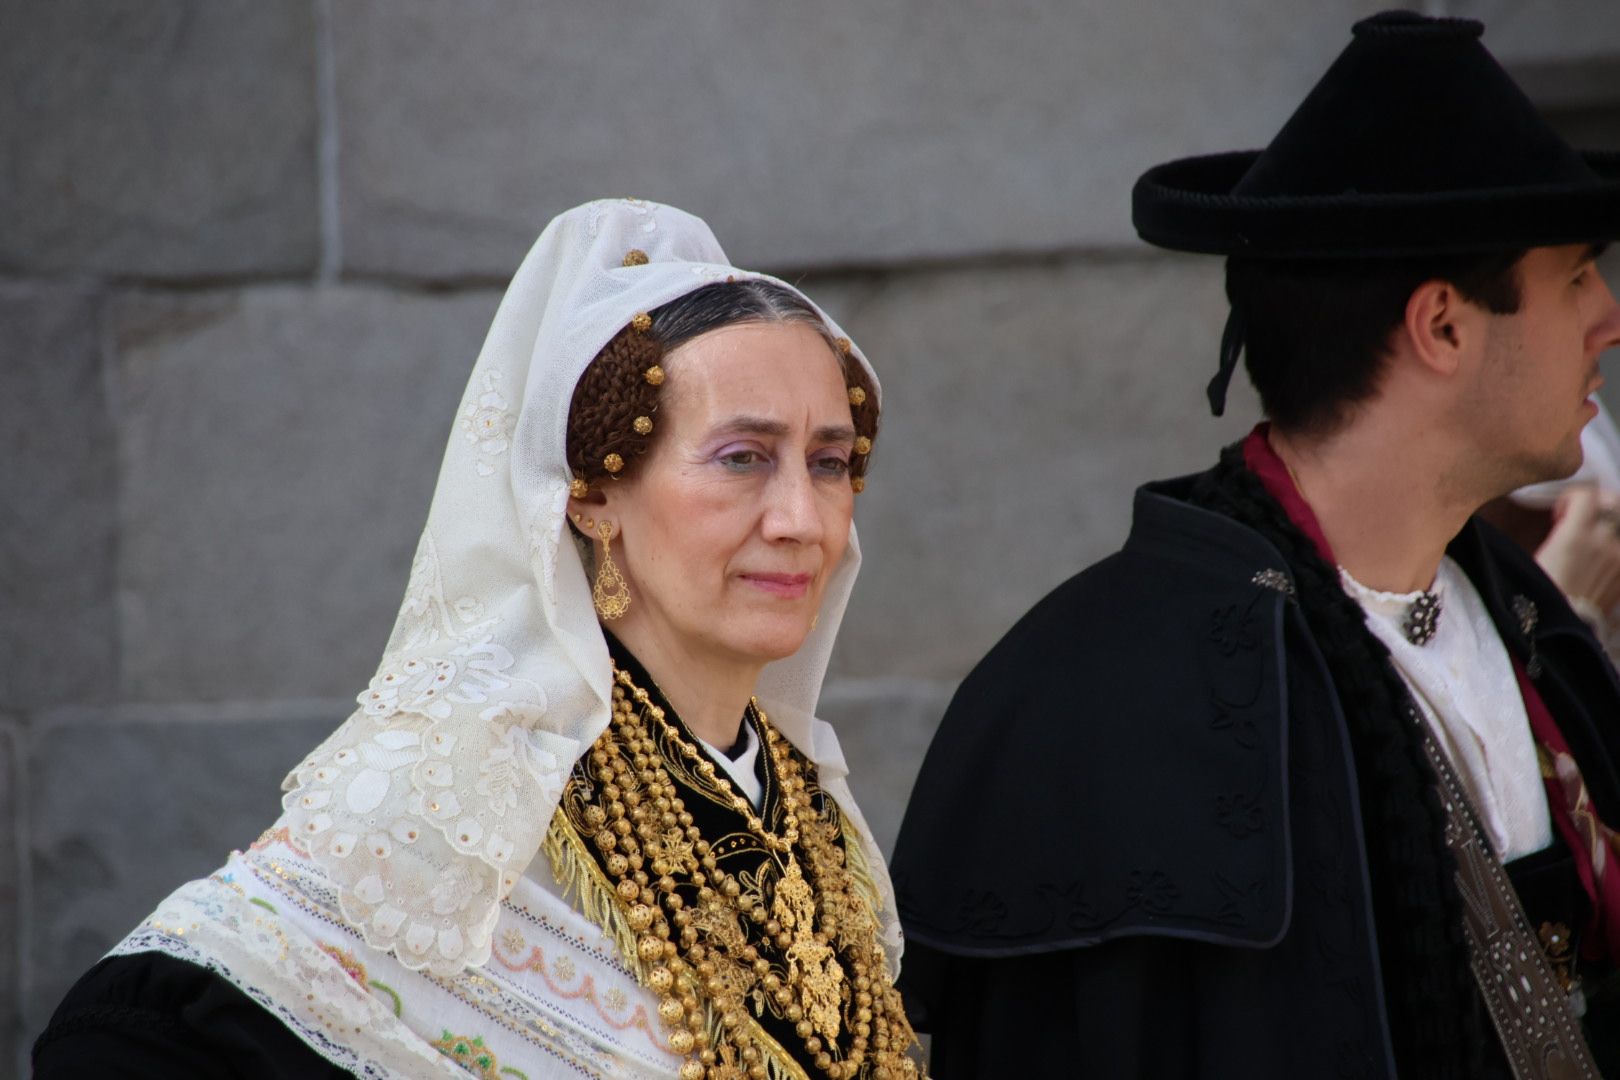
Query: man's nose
(1605, 331)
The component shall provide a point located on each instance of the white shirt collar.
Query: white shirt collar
(1464, 683)
(740, 770)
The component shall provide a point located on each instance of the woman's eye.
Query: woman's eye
(740, 459)
(830, 466)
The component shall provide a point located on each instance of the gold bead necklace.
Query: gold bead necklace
(697, 957)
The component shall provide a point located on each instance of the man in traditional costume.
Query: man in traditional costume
(1315, 777)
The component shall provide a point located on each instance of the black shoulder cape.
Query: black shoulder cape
(1145, 801)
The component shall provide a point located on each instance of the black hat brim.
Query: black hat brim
(1188, 205)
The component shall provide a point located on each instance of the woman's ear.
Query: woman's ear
(583, 510)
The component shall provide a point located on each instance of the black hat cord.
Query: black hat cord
(1231, 348)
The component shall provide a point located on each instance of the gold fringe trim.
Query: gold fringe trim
(581, 879)
(778, 1066)
(860, 868)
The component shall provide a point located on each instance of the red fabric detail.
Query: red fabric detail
(1592, 843)
(1576, 819)
(1263, 461)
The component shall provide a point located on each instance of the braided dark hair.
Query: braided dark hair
(1437, 1020)
(615, 391)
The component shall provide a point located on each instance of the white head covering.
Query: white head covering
(426, 805)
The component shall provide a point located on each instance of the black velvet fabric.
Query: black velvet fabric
(151, 1015)
(1414, 141)
(1437, 1020)
(1107, 702)
(1204, 852)
(1138, 819)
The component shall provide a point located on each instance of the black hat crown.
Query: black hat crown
(1415, 141)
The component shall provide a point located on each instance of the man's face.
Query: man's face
(1539, 368)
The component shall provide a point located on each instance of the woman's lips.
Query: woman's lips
(787, 586)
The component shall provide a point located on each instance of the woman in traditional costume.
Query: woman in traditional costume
(584, 821)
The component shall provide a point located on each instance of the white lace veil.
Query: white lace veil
(426, 805)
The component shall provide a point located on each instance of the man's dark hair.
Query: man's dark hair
(1316, 331)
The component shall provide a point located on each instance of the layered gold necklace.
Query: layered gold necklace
(817, 963)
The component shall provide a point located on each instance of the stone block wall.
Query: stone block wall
(248, 253)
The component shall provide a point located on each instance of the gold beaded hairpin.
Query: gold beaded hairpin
(857, 398)
(655, 374)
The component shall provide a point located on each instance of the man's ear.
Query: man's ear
(1439, 326)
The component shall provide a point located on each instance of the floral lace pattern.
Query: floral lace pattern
(444, 746)
(644, 214)
(213, 925)
(545, 537)
(557, 1002)
(424, 807)
(488, 423)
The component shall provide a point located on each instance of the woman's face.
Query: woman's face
(729, 528)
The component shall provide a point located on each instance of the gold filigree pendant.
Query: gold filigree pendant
(812, 963)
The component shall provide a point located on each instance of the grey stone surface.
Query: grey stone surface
(57, 496)
(126, 808)
(1591, 127)
(1566, 56)
(841, 133)
(1022, 407)
(279, 447)
(884, 727)
(167, 140)
(1561, 31)
(13, 839)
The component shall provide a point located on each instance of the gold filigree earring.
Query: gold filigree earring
(611, 593)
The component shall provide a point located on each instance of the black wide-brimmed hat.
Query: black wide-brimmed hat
(1414, 142)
